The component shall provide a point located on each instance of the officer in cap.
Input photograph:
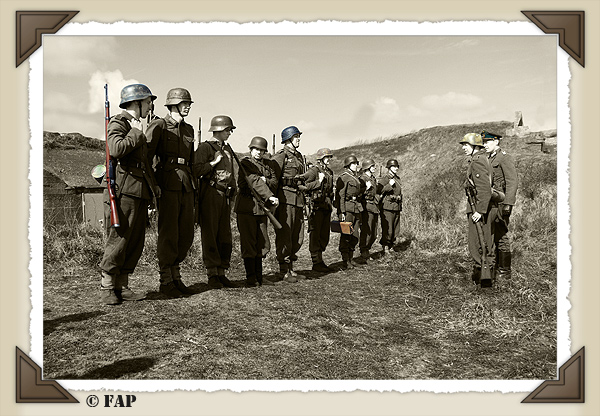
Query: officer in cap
(350, 189)
(505, 181)
(479, 179)
(391, 205)
(135, 186)
(290, 166)
(319, 183)
(214, 165)
(251, 218)
(171, 140)
(370, 214)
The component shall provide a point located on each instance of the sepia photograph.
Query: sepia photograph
(300, 207)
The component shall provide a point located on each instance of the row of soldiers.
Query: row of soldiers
(198, 184)
(163, 164)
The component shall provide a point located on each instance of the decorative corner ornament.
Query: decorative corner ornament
(568, 25)
(31, 25)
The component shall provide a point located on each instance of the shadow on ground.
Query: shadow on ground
(51, 324)
(116, 370)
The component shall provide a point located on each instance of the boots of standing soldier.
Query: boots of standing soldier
(178, 283)
(258, 266)
(167, 287)
(354, 261)
(346, 263)
(360, 260)
(504, 265)
(214, 282)
(284, 270)
(318, 263)
(295, 274)
(123, 291)
(250, 267)
(225, 281)
(107, 286)
(476, 275)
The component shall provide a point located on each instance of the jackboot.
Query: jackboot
(476, 275)
(214, 282)
(225, 281)
(346, 263)
(258, 267)
(170, 290)
(504, 265)
(250, 267)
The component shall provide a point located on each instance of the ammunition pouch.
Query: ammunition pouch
(497, 196)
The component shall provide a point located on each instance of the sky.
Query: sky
(337, 90)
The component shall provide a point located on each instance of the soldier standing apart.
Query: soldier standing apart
(505, 180)
(350, 190)
(479, 179)
(290, 212)
(251, 219)
(135, 186)
(391, 205)
(370, 214)
(213, 163)
(171, 140)
(319, 181)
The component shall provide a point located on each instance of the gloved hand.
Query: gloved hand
(506, 210)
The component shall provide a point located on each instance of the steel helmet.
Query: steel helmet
(392, 162)
(178, 95)
(321, 153)
(220, 123)
(98, 172)
(135, 92)
(485, 135)
(349, 160)
(288, 132)
(473, 139)
(258, 142)
(368, 163)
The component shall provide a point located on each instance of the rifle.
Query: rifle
(110, 166)
(308, 203)
(273, 145)
(255, 194)
(198, 180)
(486, 270)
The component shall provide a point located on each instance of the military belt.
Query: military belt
(228, 190)
(351, 198)
(177, 160)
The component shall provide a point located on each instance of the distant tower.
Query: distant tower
(518, 129)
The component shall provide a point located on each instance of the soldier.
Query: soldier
(479, 179)
(370, 214)
(391, 206)
(251, 219)
(505, 180)
(349, 190)
(290, 212)
(171, 140)
(135, 187)
(319, 182)
(214, 165)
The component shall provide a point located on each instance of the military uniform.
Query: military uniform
(350, 190)
(505, 180)
(479, 176)
(217, 187)
(391, 206)
(172, 143)
(370, 214)
(321, 194)
(251, 219)
(135, 185)
(290, 212)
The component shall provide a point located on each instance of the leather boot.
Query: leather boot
(214, 282)
(225, 281)
(176, 274)
(250, 267)
(123, 291)
(346, 263)
(504, 265)
(258, 266)
(296, 275)
(107, 293)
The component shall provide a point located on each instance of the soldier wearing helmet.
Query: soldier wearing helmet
(251, 219)
(290, 165)
(391, 206)
(504, 181)
(319, 183)
(171, 145)
(213, 163)
(370, 214)
(479, 178)
(350, 189)
(135, 187)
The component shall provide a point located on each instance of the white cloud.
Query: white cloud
(115, 82)
(385, 110)
(451, 100)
